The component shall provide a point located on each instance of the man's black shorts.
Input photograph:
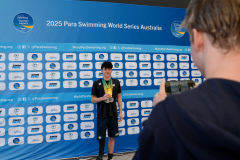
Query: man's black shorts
(110, 123)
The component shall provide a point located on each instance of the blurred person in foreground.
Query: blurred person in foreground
(106, 92)
(203, 123)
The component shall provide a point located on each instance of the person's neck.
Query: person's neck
(223, 65)
(107, 78)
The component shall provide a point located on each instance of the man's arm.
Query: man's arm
(119, 101)
(94, 98)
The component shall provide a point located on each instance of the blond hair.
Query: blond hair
(220, 19)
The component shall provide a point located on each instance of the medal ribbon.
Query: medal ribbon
(107, 87)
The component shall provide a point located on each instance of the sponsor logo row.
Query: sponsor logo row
(51, 109)
(38, 129)
(19, 76)
(18, 121)
(89, 57)
(36, 66)
(83, 84)
(57, 137)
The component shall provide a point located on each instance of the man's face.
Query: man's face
(107, 72)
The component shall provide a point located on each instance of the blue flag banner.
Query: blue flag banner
(51, 52)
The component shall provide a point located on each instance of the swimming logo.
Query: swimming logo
(23, 22)
(176, 29)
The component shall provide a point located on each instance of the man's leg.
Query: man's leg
(111, 144)
(101, 150)
(101, 134)
(112, 133)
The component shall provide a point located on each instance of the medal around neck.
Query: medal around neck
(108, 88)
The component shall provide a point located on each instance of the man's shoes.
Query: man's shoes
(99, 158)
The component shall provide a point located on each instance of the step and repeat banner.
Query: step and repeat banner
(51, 52)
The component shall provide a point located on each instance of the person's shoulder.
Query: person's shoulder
(97, 81)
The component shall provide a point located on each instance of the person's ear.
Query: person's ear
(197, 39)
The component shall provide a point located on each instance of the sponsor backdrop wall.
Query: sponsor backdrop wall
(50, 55)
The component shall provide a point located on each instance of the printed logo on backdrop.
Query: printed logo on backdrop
(121, 131)
(85, 56)
(133, 130)
(2, 111)
(176, 29)
(122, 123)
(15, 141)
(86, 107)
(3, 67)
(116, 56)
(70, 117)
(35, 139)
(87, 116)
(2, 132)
(53, 128)
(70, 126)
(16, 121)
(35, 129)
(133, 121)
(35, 119)
(2, 142)
(23, 22)
(16, 131)
(146, 112)
(130, 57)
(87, 125)
(53, 137)
(87, 134)
(2, 57)
(2, 122)
(70, 136)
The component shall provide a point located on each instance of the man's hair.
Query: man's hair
(107, 64)
(220, 19)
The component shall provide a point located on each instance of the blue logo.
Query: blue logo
(69, 75)
(145, 82)
(86, 83)
(158, 57)
(16, 85)
(87, 134)
(35, 110)
(133, 121)
(70, 126)
(176, 29)
(131, 73)
(53, 118)
(172, 65)
(196, 80)
(116, 65)
(23, 22)
(184, 73)
(35, 56)
(16, 140)
(52, 65)
(101, 56)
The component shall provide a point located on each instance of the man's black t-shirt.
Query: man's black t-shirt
(203, 123)
(106, 109)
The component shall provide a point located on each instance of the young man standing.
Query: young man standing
(106, 92)
(202, 123)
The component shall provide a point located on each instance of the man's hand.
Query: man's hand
(106, 96)
(161, 95)
(120, 117)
